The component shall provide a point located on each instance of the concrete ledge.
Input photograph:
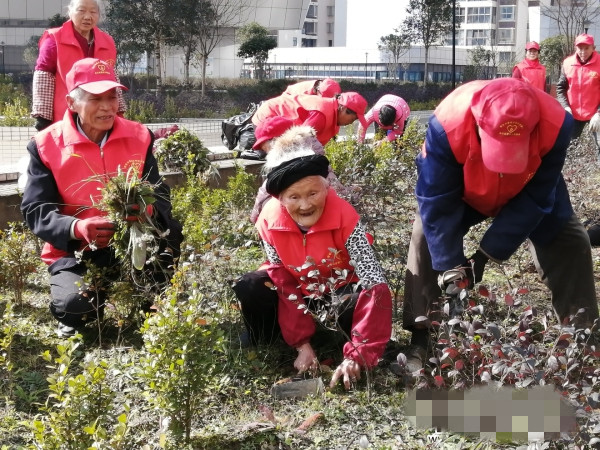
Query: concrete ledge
(10, 197)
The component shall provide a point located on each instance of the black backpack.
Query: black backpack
(233, 127)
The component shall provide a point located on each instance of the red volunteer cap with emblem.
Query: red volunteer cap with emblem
(584, 39)
(506, 111)
(92, 75)
(271, 128)
(329, 88)
(532, 45)
(355, 102)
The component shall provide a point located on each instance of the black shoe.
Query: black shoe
(257, 155)
(65, 331)
(594, 234)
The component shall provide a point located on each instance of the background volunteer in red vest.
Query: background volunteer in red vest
(578, 88)
(328, 88)
(59, 49)
(495, 149)
(390, 113)
(530, 69)
(69, 163)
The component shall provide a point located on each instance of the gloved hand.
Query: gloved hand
(41, 123)
(133, 212)
(478, 261)
(454, 280)
(97, 230)
(595, 123)
(568, 109)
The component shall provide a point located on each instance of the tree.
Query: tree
(428, 22)
(256, 43)
(141, 26)
(552, 55)
(572, 18)
(57, 20)
(220, 16)
(394, 46)
(482, 64)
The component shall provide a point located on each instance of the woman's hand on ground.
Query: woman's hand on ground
(349, 371)
(307, 359)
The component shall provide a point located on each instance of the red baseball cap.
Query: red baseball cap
(533, 45)
(584, 39)
(92, 75)
(355, 102)
(506, 111)
(329, 88)
(271, 128)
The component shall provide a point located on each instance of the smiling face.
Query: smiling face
(584, 51)
(85, 15)
(532, 54)
(96, 111)
(305, 200)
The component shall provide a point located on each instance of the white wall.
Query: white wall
(368, 20)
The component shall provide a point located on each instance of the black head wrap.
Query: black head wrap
(288, 172)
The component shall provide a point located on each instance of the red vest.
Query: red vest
(484, 190)
(533, 73)
(296, 108)
(324, 243)
(584, 86)
(80, 167)
(68, 51)
(302, 87)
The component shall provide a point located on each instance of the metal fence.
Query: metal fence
(13, 140)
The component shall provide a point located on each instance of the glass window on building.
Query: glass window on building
(312, 12)
(295, 42)
(478, 37)
(330, 11)
(506, 36)
(505, 57)
(330, 27)
(309, 28)
(480, 14)
(460, 15)
(507, 13)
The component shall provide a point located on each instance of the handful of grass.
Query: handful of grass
(125, 196)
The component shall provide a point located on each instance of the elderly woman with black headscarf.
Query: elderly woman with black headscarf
(320, 267)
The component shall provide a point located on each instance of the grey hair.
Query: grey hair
(77, 94)
(74, 3)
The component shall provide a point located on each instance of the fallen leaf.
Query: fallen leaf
(308, 423)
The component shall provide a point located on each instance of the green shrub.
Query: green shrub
(18, 259)
(212, 215)
(184, 358)
(183, 152)
(16, 113)
(80, 412)
(140, 111)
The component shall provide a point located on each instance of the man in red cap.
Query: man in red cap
(328, 88)
(495, 149)
(578, 88)
(324, 115)
(70, 162)
(530, 69)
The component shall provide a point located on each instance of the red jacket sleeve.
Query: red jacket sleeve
(371, 326)
(297, 325)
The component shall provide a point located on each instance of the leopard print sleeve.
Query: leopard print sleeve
(363, 258)
(271, 252)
